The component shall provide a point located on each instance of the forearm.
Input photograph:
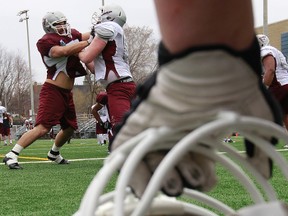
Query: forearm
(97, 117)
(269, 66)
(60, 51)
(90, 66)
(92, 51)
(268, 77)
(95, 113)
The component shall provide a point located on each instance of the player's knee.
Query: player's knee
(41, 130)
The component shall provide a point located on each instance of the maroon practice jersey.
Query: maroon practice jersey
(102, 98)
(70, 65)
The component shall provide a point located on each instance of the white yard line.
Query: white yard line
(44, 160)
(47, 161)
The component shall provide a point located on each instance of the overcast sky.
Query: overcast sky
(139, 13)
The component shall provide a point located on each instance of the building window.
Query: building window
(284, 44)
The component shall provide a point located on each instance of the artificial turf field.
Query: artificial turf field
(43, 188)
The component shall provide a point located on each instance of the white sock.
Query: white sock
(14, 153)
(55, 148)
(17, 148)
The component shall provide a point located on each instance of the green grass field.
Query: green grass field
(43, 188)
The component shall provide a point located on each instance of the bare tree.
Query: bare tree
(21, 91)
(142, 48)
(14, 82)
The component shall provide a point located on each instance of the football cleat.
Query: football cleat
(11, 163)
(56, 157)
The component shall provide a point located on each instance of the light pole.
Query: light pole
(265, 17)
(26, 17)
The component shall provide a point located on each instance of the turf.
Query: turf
(48, 188)
(44, 188)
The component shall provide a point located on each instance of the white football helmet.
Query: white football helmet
(56, 22)
(205, 140)
(113, 12)
(263, 40)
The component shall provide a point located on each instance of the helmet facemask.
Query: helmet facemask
(96, 19)
(62, 29)
(56, 22)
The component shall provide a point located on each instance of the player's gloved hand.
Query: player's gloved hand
(90, 39)
(92, 32)
(193, 171)
(107, 125)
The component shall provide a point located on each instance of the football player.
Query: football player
(2, 111)
(58, 49)
(107, 56)
(275, 74)
(100, 112)
(7, 124)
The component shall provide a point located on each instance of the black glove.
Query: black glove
(107, 125)
(92, 33)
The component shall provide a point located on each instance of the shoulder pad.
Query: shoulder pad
(104, 31)
(265, 51)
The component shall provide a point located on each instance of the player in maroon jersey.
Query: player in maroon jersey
(7, 124)
(101, 114)
(58, 49)
(27, 125)
(2, 111)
